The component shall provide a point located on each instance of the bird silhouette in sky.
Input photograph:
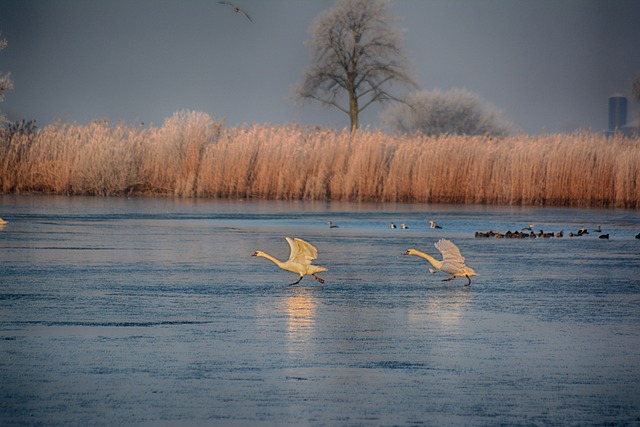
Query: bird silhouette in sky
(236, 9)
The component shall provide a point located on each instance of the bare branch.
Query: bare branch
(355, 51)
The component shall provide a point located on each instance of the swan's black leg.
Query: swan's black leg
(450, 278)
(469, 280)
(318, 278)
(295, 283)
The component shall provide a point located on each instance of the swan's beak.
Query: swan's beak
(406, 253)
(254, 254)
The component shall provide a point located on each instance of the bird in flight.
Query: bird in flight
(236, 9)
(452, 261)
(302, 253)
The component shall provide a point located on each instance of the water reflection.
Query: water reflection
(445, 308)
(301, 319)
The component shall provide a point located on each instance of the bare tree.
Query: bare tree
(5, 81)
(355, 50)
(454, 112)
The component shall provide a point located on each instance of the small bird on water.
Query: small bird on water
(452, 261)
(302, 253)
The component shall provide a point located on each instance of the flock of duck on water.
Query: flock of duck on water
(527, 232)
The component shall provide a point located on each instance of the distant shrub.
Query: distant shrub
(5, 82)
(16, 137)
(21, 127)
(454, 112)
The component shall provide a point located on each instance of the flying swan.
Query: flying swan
(452, 261)
(302, 253)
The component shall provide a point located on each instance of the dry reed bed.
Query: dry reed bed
(191, 155)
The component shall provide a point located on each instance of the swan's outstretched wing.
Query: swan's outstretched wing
(301, 252)
(450, 252)
(310, 252)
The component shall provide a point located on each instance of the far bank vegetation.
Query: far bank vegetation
(193, 155)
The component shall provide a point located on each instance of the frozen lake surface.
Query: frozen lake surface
(119, 311)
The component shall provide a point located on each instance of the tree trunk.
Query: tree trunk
(353, 102)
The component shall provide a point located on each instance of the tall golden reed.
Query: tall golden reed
(191, 155)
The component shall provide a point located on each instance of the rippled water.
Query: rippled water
(152, 312)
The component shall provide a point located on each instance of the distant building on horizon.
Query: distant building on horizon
(617, 112)
(618, 105)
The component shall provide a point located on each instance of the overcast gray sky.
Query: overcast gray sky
(550, 65)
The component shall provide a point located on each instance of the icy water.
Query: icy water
(153, 312)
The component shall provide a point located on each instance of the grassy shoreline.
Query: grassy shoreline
(192, 155)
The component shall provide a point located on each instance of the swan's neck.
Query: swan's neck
(270, 258)
(432, 260)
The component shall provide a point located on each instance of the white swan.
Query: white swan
(452, 260)
(302, 253)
